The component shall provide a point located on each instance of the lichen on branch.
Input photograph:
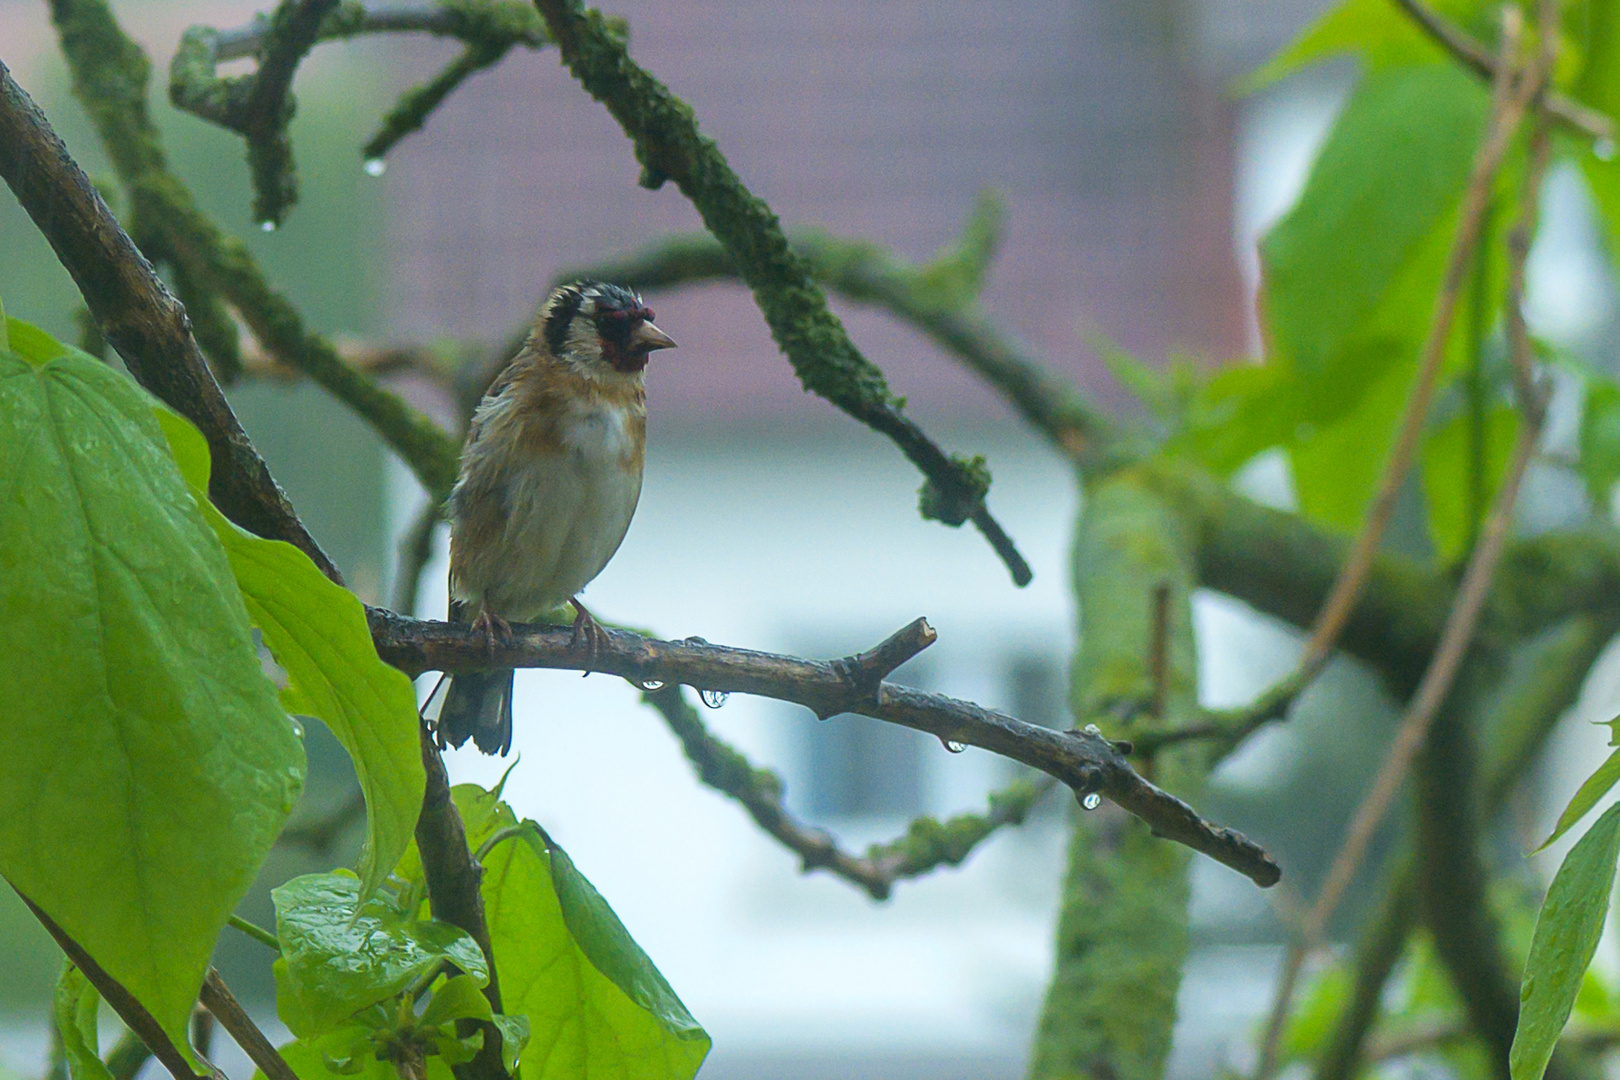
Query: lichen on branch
(667, 142)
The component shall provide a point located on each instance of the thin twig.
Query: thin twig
(1515, 89)
(130, 1011)
(1564, 109)
(1083, 760)
(1511, 97)
(217, 998)
(926, 845)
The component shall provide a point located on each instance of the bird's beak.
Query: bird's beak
(647, 337)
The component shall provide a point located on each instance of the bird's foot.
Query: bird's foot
(588, 634)
(496, 630)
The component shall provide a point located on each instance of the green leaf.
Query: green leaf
(1596, 27)
(76, 1008)
(317, 632)
(1374, 30)
(594, 1002)
(1337, 466)
(1350, 273)
(1447, 471)
(340, 955)
(1596, 786)
(1567, 933)
(309, 1059)
(461, 998)
(143, 738)
(514, 1037)
(1599, 463)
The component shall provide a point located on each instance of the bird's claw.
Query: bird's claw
(496, 630)
(588, 634)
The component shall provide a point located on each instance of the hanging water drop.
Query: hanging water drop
(297, 727)
(714, 698)
(375, 166)
(649, 685)
(1604, 149)
(1091, 801)
(953, 746)
(267, 225)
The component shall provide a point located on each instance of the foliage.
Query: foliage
(132, 603)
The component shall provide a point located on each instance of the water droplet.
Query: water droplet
(267, 226)
(1091, 800)
(714, 698)
(1093, 729)
(298, 728)
(953, 746)
(1604, 149)
(649, 685)
(375, 166)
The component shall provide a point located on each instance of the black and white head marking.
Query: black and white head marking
(594, 326)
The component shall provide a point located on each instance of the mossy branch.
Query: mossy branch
(110, 74)
(926, 845)
(668, 144)
(938, 298)
(489, 28)
(258, 106)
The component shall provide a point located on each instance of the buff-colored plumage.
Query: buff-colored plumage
(550, 477)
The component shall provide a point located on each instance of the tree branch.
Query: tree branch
(130, 1011)
(1543, 681)
(489, 29)
(453, 880)
(1085, 761)
(139, 316)
(110, 74)
(926, 845)
(1518, 84)
(1473, 55)
(928, 297)
(669, 146)
(217, 998)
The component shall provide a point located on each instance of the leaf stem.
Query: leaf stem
(257, 933)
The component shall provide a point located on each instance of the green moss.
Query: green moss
(113, 93)
(669, 146)
(1122, 925)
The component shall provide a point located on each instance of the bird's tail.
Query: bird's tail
(478, 705)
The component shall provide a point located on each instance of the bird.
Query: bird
(549, 478)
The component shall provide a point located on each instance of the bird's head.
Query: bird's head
(600, 330)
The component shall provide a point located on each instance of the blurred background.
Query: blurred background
(1136, 183)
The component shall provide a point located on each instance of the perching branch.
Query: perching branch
(926, 845)
(669, 146)
(1083, 760)
(138, 315)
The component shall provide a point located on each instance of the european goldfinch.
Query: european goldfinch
(550, 476)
